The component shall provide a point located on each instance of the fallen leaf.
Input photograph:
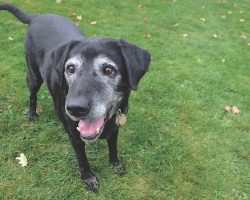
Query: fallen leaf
(185, 35)
(147, 36)
(177, 24)
(79, 17)
(146, 21)
(58, 1)
(235, 110)
(242, 20)
(229, 12)
(22, 160)
(215, 36)
(248, 44)
(39, 110)
(10, 38)
(202, 19)
(93, 22)
(243, 36)
(227, 108)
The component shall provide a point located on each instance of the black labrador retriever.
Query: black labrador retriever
(89, 79)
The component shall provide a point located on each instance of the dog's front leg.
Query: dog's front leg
(113, 158)
(87, 175)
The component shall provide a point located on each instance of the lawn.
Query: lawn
(179, 142)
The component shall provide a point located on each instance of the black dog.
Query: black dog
(89, 80)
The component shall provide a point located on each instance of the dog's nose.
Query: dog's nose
(78, 107)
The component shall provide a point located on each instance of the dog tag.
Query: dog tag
(121, 119)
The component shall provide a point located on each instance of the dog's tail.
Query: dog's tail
(23, 17)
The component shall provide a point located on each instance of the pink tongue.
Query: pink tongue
(88, 128)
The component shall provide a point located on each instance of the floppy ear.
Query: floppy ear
(59, 57)
(136, 61)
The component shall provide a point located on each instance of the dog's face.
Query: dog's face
(97, 73)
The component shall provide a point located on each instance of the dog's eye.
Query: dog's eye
(108, 70)
(71, 69)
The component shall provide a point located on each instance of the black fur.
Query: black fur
(50, 41)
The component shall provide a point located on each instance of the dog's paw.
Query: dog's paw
(92, 183)
(120, 167)
(32, 116)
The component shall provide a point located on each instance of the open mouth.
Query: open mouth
(91, 130)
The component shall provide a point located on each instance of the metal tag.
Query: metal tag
(121, 118)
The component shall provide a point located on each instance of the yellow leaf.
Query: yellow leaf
(93, 22)
(79, 17)
(147, 36)
(235, 110)
(202, 19)
(22, 160)
(243, 36)
(227, 108)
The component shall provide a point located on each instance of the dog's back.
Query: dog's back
(49, 31)
(46, 31)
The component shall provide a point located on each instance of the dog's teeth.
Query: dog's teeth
(78, 129)
(97, 130)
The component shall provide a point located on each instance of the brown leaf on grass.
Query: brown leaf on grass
(58, 1)
(93, 22)
(235, 110)
(243, 36)
(227, 108)
(39, 110)
(147, 36)
(145, 21)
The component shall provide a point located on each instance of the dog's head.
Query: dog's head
(97, 73)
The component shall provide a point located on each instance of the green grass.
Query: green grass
(179, 143)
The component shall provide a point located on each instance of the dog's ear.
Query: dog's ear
(59, 57)
(136, 61)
